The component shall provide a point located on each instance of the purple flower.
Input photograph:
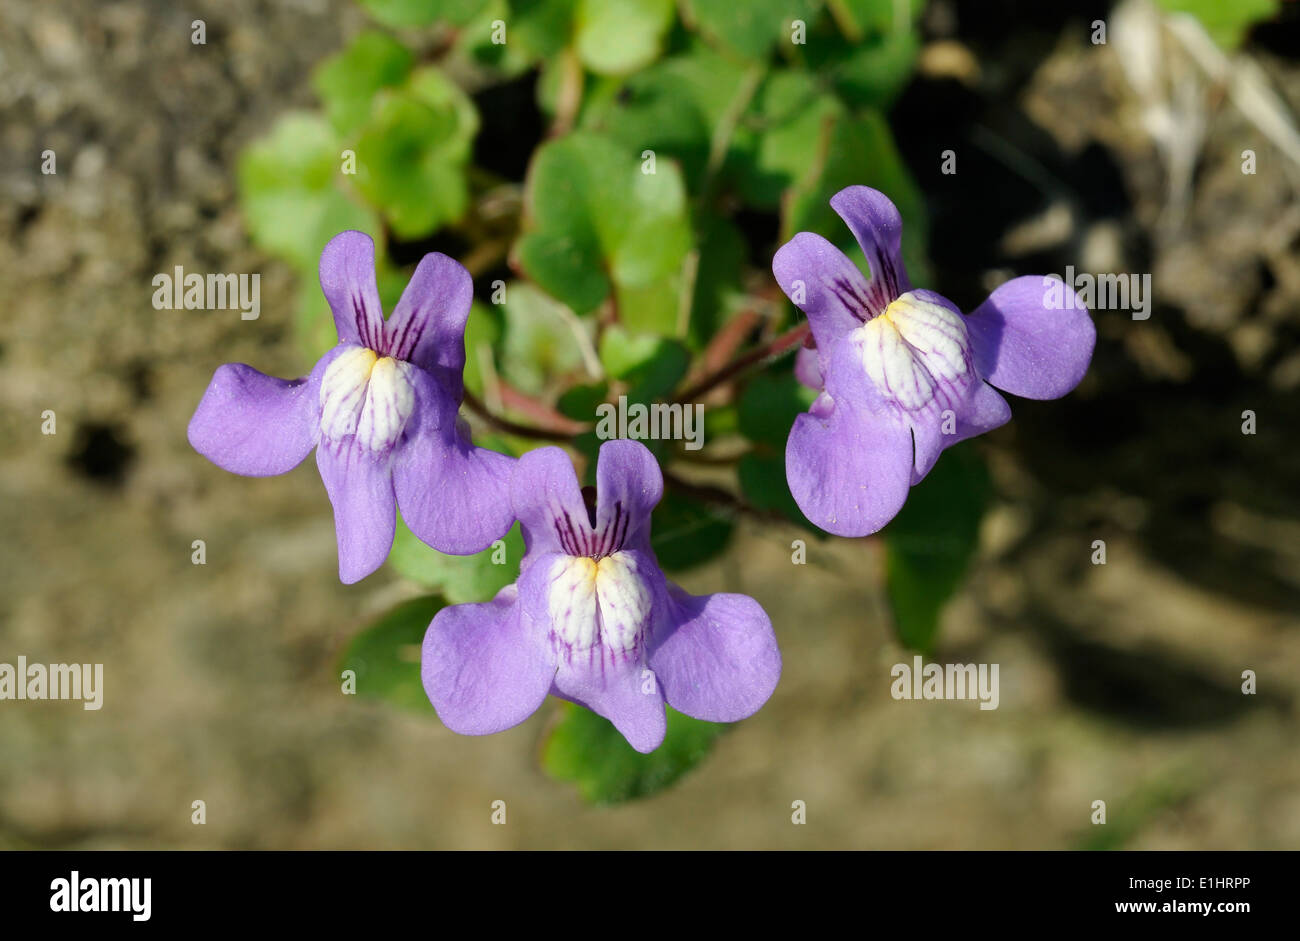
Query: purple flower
(903, 373)
(593, 620)
(380, 409)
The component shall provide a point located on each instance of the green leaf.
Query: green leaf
(720, 421)
(542, 27)
(686, 532)
(313, 324)
(586, 750)
(386, 655)
(290, 188)
(539, 342)
(718, 293)
(769, 405)
(347, 82)
(866, 48)
(1227, 23)
(615, 37)
(651, 365)
(858, 149)
(461, 579)
(671, 108)
(595, 220)
(786, 136)
(876, 72)
(750, 27)
(490, 40)
(482, 334)
(929, 545)
(865, 18)
(580, 402)
(411, 155)
(763, 482)
(423, 12)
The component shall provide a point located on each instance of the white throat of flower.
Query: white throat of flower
(915, 351)
(367, 395)
(599, 608)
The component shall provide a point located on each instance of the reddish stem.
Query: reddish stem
(509, 427)
(769, 351)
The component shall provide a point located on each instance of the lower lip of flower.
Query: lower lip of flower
(914, 350)
(366, 395)
(598, 604)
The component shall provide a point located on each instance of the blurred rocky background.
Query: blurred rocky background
(1120, 682)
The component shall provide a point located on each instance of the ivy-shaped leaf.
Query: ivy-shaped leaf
(650, 364)
(686, 532)
(586, 750)
(290, 188)
(411, 154)
(750, 28)
(857, 148)
(615, 37)
(539, 342)
(672, 108)
(385, 657)
(929, 545)
(460, 579)
(348, 82)
(597, 221)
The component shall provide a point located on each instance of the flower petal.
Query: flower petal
(628, 696)
(983, 410)
(1033, 337)
(717, 657)
(849, 458)
(593, 620)
(544, 495)
(598, 613)
(428, 324)
(454, 496)
(256, 425)
(878, 227)
(347, 278)
(824, 284)
(484, 668)
(627, 476)
(808, 368)
(360, 485)
(849, 469)
(458, 502)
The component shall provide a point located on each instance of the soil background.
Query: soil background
(1119, 682)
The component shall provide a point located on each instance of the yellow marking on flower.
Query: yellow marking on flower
(912, 347)
(581, 588)
(366, 395)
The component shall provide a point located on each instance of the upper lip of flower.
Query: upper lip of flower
(583, 539)
(863, 307)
